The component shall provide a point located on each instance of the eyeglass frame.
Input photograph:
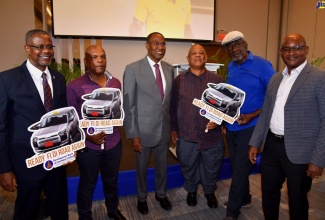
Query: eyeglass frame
(295, 49)
(42, 47)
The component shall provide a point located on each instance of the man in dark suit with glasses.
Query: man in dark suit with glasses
(24, 101)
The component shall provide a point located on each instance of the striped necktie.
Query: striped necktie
(47, 93)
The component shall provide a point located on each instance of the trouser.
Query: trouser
(142, 162)
(199, 166)
(275, 168)
(241, 166)
(54, 184)
(90, 162)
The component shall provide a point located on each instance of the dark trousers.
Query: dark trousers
(275, 168)
(241, 166)
(54, 184)
(200, 166)
(90, 162)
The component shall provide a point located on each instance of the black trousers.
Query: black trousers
(275, 169)
(54, 184)
(90, 163)
(239, 192)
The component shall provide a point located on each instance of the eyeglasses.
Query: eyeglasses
(156, 44)
(236, 44)
(42, 47)
(295, 49)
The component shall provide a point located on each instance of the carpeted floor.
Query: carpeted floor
(180, 210)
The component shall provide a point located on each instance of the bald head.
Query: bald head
(294, 51)
(196, 47)
(95, 59)
(295, 37)
(197, 58)
(91, 48)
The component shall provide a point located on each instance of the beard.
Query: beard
(238, 58)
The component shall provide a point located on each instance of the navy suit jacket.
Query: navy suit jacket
(304, 117)
(20, 107)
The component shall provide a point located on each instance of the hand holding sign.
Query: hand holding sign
(210, 125)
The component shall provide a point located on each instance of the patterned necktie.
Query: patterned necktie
(159, 81)
(47, 93)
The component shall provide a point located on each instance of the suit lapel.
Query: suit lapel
(148, 70)
(55, 85)
(277, 84)
(31, 87)
(277, 81)
(299, 81)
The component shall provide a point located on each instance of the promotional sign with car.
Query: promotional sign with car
(221, 102)
(55, 138)
(102, 110)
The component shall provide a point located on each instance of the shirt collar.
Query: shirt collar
(35, 71)
(250, 55)
(108, 75)
(188, 72)
(296, 70)
(151, 62)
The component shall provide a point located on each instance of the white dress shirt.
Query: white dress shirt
(277, 119)
(36, 74)
(154, 71)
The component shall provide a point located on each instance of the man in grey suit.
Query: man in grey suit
(292, 126)
(147, 89)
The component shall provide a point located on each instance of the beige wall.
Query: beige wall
(120, 53)
(261, 21)
(240, 16)
(302, 17)
(16, 18)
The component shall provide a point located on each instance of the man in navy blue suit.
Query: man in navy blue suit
(22, 104)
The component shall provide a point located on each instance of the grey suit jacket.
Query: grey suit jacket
(304, 117)
(145, 113)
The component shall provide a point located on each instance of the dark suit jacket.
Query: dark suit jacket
(20, 107)
(145, 113)
(304, 117)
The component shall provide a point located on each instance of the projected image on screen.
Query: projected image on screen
(175, 19)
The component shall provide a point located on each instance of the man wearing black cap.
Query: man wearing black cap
(251, 74)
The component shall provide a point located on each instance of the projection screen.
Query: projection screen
(175, 19)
